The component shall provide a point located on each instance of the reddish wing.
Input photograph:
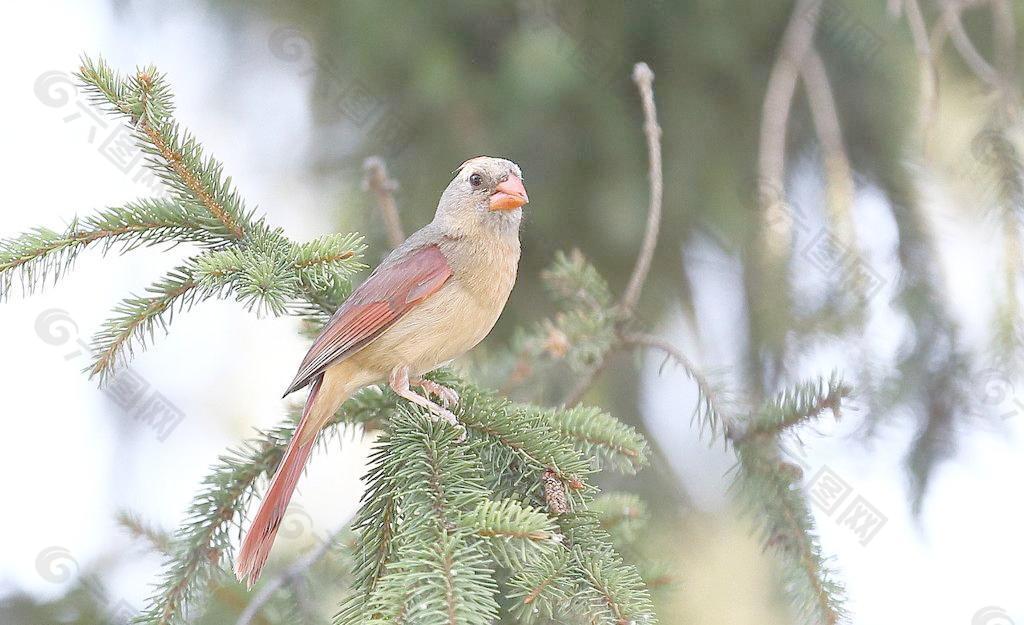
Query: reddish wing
(390, 292)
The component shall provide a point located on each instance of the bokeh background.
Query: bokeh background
(292, 97)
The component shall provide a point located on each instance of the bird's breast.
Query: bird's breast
(455, 318)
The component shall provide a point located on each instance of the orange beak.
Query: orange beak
(509, 195)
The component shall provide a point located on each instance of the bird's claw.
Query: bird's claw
(449, 397)
(443, 414)
(451, 419)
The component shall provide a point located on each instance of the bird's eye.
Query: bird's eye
(476, 180)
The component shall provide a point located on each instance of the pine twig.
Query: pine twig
(137, 317)
(715, 413)
(158, 538)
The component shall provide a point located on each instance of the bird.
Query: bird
(432, 299)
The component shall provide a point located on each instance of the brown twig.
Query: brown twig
(585, 382)
(965, 47)
(838, 174)
(376, 181)
(644, 79)
(927, 73)
(778, 102)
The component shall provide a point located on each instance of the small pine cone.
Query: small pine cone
(554, 493)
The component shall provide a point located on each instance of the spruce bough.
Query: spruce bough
(505, 526)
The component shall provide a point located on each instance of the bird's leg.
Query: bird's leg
(398, 380)
(448, 396)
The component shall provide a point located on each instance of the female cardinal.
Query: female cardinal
(433, 298)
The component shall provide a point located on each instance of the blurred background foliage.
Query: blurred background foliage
(547, 84)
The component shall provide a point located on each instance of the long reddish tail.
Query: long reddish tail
(260, 538)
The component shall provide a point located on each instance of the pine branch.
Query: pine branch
(323, 262)
(438, 482)
(256, 264)
(448, 581)
(802, 403)
(613, 591)
(622, 515)
(175, 156)
(765, 489)
(708, 411)
(541, 590)
(515, 533)
(522, 431)
(573, 281)
(157, 538)
(764, 486)
(44, 253)
(600, 436)
(137, 318)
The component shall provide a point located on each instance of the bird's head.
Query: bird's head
(486, 192)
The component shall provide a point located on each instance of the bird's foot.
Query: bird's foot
(399, 382)
(449, 397)
(440, 413)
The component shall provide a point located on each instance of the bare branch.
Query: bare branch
(1005, 35)
(644, 79)
(928, 77)
(963, 44)
(587, 380)
(838, 174)
(295, 574)
(778, 101)
(376, 181)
